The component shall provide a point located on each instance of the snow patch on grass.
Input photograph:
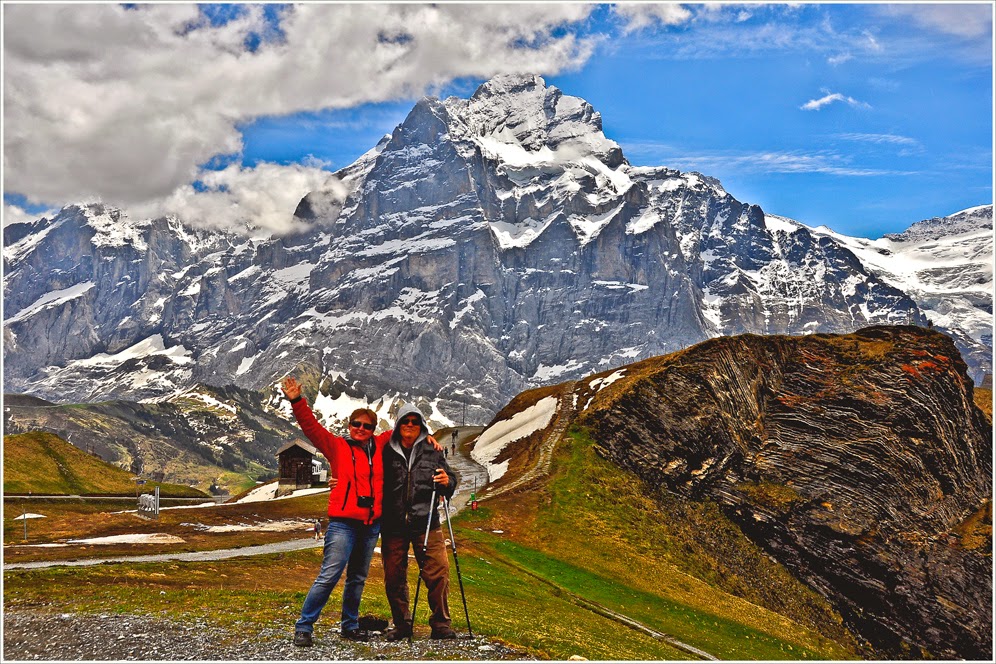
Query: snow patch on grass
(133, 538)
(600, 384)
(267, 526)
(266, 491)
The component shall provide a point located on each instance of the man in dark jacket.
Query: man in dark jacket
(411, 471)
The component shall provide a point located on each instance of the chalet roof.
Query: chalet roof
(299, 443)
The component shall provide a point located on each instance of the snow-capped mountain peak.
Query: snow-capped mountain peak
(524, 112)
(946, 265)
(978, 219)
(113, 227)
(485, 246)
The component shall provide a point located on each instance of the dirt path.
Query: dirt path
(215, 554)
(565, 409)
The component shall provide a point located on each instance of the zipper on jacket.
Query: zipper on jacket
(407, 501)
(349, 485)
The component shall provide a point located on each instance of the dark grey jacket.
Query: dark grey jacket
(408, 483)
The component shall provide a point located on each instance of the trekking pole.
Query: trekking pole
(446, 507)
(425, 549)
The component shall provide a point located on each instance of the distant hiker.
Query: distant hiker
(410, 470)
(446, 452)
(355, 499)
(354, 513)
(318, 528)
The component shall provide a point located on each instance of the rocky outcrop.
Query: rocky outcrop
(860, 462)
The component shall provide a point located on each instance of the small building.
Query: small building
(299, 469)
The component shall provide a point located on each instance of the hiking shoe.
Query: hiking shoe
(443, 632)
(355, 634)
(399, 633)
(303, 639)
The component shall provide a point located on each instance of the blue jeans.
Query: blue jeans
(349, 545)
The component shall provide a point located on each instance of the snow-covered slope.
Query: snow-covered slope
(946, 265)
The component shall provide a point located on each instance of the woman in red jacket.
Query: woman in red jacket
(354, 512)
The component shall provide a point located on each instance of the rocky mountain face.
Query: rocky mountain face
(487, 245)
(858, 461)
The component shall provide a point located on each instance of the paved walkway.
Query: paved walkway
(216, 554)
(471, 473)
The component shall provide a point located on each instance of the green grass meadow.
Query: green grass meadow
(543, 569)
(44, 464)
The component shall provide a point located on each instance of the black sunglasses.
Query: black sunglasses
(356, 424)
(410, 420)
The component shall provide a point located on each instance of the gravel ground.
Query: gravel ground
(67, 636)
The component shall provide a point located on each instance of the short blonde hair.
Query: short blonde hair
(366, 412)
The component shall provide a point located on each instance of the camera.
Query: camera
(365, 501)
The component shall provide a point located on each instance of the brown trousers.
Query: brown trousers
(435, 575)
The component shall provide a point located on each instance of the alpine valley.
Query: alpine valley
(487, 246)
(747, 423)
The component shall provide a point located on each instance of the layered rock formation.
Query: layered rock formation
(859, 461)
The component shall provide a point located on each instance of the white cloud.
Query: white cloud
(829, 98)
(840, 59)
(242, 199)
(125, 104)
(829, 163)
(641, 16)
(788, 162)
(967, 21)
(12, 214)
(872, 43)
(879, 138)
(896, 34)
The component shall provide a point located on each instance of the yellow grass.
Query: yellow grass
(42, 463)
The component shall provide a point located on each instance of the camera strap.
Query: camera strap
(369, 453)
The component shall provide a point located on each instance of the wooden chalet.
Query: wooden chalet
(299, 467)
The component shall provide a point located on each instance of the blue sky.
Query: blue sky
(862, 117)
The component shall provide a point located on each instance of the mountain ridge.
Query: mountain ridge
(486, 245)
(43, 463)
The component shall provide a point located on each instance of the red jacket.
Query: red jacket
(358, 473)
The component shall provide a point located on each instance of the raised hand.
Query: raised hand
(291, 388)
